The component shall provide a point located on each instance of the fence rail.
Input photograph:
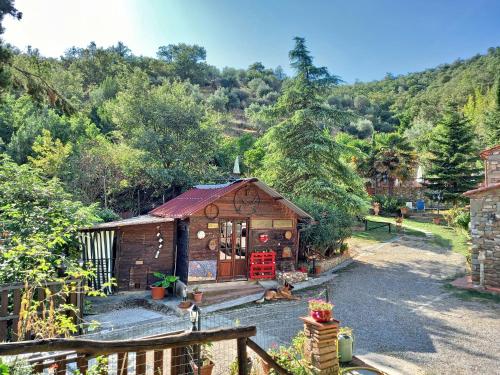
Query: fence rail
(173, 353)
(10, 305)
(376, 225)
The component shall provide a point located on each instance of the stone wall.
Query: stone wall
(485, 232)
(493, 168)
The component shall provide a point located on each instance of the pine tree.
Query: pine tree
(453, 158)
(302, 158)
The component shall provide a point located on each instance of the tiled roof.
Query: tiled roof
(485, 153)
(482, 189)
(200, 196)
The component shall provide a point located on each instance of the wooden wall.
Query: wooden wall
(268, 208)
(137, 246)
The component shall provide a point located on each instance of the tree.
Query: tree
(169, 123)
(492, 118)
(6, 9)
(50, 155)
(187, 61)
(452, 158)
(302, 158)
(391, 158)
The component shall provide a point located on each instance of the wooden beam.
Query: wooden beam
(110, 347)
(266, 357)
(241, 346)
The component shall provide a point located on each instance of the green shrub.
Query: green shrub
(458, 217)
(389, 204)
(333, 225)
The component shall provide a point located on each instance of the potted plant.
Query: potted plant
(197, 295)
(404, 211)
(206, 361)
(376, 208)
(320, 310)
(158, 289)
(436, 220)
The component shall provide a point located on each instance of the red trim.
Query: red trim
(485, 153)
(482, 189)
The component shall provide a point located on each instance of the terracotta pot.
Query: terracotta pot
(204, 370)
(321, 316)
(404, 211)
(198, 297)
(157, 292)
(317, 270)
(266, 369)
(436, 220)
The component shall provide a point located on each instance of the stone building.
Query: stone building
(485, 222)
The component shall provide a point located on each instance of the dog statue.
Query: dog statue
(283, 292)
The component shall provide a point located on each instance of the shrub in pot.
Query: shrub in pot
(320, 310)
(159, 288)
(206, 364)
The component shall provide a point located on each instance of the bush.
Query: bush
(389, 204)
(333, 225)
(458, 217)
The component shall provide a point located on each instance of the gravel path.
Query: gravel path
(394, 298)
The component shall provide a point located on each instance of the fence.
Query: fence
(173, 354)
(371, 225)
(10, 305)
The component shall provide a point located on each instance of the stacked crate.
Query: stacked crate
(263, 265)
(321, 345)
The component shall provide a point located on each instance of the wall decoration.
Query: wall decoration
(200, 235)
(213, 225)
(212, 244)
(200, 270)
(287, 252)
(283, 223)
(212, 211)
(288, 235)
(263, 237)
(246, 200)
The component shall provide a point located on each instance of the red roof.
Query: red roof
(200, 196)
(195, 199)
(482, 189)
(485, 153)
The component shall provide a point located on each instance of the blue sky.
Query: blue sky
(356, 39)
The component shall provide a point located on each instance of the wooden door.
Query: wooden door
(233, 249)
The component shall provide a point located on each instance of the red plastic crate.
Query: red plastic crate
(263, 265)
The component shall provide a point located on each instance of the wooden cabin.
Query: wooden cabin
(206, 234)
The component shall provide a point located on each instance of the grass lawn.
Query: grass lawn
(443, 235)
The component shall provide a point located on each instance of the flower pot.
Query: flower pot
(198, 297)
(266, 369)
(404, 211)
(436, 220)
(321, 316)
(317, 270)
(376, 208)
(204, 369)
(157, 292)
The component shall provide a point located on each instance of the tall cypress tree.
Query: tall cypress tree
(453, 158)
(302, 159)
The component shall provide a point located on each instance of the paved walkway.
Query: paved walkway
(393, 296)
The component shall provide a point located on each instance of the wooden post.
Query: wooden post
(242, 355)
(82, 362)
(158, 361)
(122, 364)
(140, 363)
(321, 346)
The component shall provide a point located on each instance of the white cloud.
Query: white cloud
(55, 25)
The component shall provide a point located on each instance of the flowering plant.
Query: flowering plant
(320, 305)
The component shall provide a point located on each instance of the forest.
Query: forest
(120, 133)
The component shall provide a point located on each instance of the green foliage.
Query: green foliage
(332, 226)
(453, 157)
(165, 280)
(389, 204)
(40, 218)
(292, 357)
(458, 217)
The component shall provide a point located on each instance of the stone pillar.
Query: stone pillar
(321, 345)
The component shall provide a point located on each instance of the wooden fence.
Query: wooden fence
(163, 354)
(10, 305)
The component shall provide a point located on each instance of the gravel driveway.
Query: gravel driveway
(394, 298)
